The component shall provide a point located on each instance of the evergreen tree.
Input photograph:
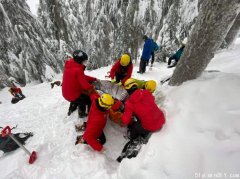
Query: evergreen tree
(214, 21)
(233, 32)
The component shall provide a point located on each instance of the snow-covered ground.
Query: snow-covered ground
(201, 138)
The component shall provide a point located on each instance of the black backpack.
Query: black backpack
(8, 145)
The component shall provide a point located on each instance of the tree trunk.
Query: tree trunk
(233, 32)
(214, 21)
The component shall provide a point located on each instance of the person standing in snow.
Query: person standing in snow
(148, 50)
(97, 119)
(76, 86)
(177, 55)
(121, 70)
(149, 85)
(149, 118)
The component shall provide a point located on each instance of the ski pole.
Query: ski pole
(7, 132)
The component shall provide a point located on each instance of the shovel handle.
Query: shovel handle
(6, 131)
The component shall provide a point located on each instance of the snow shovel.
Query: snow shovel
(7, 132)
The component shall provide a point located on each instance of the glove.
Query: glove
(89, 91)
(120, 83)
(115, 116)
(113, 80)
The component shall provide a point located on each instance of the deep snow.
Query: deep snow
(201, 138)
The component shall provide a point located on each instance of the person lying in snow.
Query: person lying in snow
(121, 70)
(58, 83)
(76, 86)
(149, 85)
(96, 122)
(106, 86)
(149, 118)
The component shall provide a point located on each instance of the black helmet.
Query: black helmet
(79, 56)
(145, 37)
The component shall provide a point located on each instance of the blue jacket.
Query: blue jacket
(148, 48)
(178, 54)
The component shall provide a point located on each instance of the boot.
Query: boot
(81, 112)
(80, 127)
(80, 140)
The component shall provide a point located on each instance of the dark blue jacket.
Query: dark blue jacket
(178, 54)
(148, 48)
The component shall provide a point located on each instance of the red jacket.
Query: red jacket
(117, 68)
(74, 80)
(96, 122)
(141, 104)
(15, 90)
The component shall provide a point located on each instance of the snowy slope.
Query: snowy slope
(201, 136)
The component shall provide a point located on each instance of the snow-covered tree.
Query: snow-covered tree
(214, 21)
(24, 53)
(233, 32)
(104, 29)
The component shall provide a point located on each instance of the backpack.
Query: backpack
(15, 100)
(155, 46)
(9, 145)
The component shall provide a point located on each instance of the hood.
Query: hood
(137, 96)
(71, 63)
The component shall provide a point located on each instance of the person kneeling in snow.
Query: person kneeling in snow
(17, 93)
(149, 85)
(96, 122)
(121, 70)
(149, 118)
(76, 86)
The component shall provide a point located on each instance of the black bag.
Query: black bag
(15, 100)
(8, 145)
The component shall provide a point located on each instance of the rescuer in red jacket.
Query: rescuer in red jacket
(121, 70)
(141, 103)
(76, 86)
(97, 119)
(149, 118)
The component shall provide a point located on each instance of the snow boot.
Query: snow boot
(72, 108)
(80, 127)
(80, 140)
(81, 112)
(173, 64)
(131, 149)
